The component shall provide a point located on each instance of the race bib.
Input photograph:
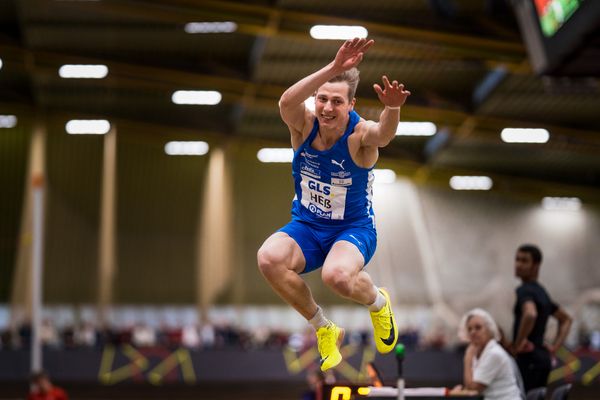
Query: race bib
(323, 200)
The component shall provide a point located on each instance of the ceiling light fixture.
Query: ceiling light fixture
(210, 27)
(338, 32)
(416, 129)
(471, 182)
(8, 121)
(87, 126)
(275, 155)
(189, 148)
(82, 71)
(201, 97)
(525, 135)
(561, 203)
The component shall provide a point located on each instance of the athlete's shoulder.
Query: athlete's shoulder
(300, 137)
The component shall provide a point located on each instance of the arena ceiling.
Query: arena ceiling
(463, 60)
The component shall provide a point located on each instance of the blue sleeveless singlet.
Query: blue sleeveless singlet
(331, 190)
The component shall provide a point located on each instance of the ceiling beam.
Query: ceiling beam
(183, 11)
(136, 76)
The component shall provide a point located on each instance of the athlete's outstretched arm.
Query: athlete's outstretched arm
(392, 96)
(291, 104)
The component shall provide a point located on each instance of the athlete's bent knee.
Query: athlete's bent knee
(270, 261)
(338, 280)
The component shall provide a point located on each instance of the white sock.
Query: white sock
(379, 302)
(319, 320)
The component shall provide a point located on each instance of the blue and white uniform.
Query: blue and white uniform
(333, 199)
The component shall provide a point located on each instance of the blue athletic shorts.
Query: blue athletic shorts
(316, 242)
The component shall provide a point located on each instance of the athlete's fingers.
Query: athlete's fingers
(386, 81)
(378, 89)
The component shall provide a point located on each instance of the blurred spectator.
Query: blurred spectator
(190, 336)
(174, 336)
(409, 338)
(43, 389)
(143, 335)
(48, 334)
(595, 340)
(309, 338)
(207, 336)
(68, 337)
(25, 335)
(436, 340)
(86, 335)
(8, 340)
(488, 369)
(168, 335)
(295, 341)
(260, 336)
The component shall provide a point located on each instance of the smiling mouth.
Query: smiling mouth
(327, 117)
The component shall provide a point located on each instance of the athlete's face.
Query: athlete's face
(478, 333)
(525, 268)
(332, 105)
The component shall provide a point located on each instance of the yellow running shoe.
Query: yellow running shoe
(329, 339)
(384, 326)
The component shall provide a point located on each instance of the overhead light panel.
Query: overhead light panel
(8, 121)
(276, 155)
(384, 176)
(416, 129)
(188, 148)
(210, 27)
(471, 183)
(525, 135)
(87, 126)
(561, 203)
(83, 71)
(0, 63)
(338, 32)
(201, 97)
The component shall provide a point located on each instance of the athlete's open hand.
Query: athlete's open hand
(392, 94)
(351, 53)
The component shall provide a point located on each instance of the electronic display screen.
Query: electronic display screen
(552, 14)
(561, 35)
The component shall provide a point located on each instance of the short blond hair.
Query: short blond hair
(351, 77)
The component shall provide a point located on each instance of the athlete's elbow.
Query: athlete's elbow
(285, 101)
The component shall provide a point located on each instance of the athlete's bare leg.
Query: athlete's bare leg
(343, 273)
(280, 260)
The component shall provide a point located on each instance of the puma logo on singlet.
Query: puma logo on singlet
(339, 164)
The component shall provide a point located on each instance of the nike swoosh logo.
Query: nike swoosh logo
(322, 360)
(390, 339)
